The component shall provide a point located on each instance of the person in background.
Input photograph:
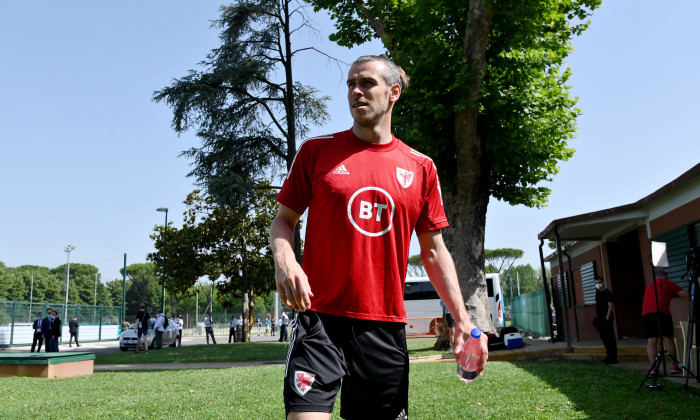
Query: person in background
(209, 328)
(180, 324)
(142, 318)
(450, 325)
(55, 332)
(604, 320)
(159, 328)
(73, 326)
(284, 321)
(125, 325)
(267, 325)
(663, 326)
(38, 336)
(46, 329)
(232, 329)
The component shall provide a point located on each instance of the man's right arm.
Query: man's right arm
(292, 283)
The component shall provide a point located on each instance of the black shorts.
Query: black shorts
(141, 331)
(368, 359)
(651, 327)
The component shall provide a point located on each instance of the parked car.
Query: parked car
(127, 341)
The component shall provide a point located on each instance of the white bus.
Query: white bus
(422, 301)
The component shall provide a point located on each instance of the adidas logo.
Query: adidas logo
(341, 170)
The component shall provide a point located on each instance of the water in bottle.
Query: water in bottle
(466, 368)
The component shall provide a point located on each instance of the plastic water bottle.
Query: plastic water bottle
(466, 369)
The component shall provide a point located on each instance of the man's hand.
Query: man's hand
(291, 281)
(461, 336)
(293, 286)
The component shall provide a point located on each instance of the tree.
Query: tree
(415, 267)
(502, 258)
(144, 277)
(491, 105)
(228, 245)
(519, 280)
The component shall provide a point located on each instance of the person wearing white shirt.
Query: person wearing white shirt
(232, 329)
(160, 328)
(209, 328)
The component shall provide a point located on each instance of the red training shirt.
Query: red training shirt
(364, 202)
(667, 289)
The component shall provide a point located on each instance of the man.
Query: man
(73, 326)
(604, 320)
(159, 328)
(142, 319)
(366, 192)
(663, 325)
(450, 325)
(284, 321)
(180, 324)
(38, 336)
(232, 329)
(46, 329)
(55, 331)
(209, 328)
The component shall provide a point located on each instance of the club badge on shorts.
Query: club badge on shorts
(303, 381)
(404, 176)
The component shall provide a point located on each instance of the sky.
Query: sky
(87, 156)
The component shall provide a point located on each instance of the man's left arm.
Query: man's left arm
(441, 270)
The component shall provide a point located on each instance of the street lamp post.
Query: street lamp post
(165, 245)
(68, 250)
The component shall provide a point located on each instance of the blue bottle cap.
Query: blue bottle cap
(476, 333)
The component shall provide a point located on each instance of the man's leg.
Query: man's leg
(34, 341)
(652, 348)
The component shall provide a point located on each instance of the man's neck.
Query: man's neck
(378, 134)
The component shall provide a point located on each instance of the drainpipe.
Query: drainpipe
(561, 275)
(547, 294)
(570, 281)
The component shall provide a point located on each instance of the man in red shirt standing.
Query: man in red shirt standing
(663, 326)
(366, 193)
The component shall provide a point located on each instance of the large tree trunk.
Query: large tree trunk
(466, 203)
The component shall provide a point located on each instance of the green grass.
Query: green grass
(238, 352)
(523, 390)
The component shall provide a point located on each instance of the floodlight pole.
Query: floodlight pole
(68, 250)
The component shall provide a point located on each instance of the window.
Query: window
(588, 283)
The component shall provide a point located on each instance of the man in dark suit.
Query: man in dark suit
(55, 331)
(73, 326)
(38, 336)
(46, 329)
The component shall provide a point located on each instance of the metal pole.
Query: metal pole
(165, 247)
(69, 248)
(123, 294)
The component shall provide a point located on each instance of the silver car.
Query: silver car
(127, 341)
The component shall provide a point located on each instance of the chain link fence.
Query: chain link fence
(97, 323)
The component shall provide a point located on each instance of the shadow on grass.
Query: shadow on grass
(204, 353)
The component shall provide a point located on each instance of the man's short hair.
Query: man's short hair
(394, 74)
(597, 278)
(142, 306)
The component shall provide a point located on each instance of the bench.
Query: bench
(47, 365)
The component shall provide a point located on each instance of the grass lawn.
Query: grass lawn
(520, 390)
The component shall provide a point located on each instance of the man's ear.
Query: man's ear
(395, 92)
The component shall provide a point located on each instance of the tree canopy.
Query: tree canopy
(245, 105)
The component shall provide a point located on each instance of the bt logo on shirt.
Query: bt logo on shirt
(371, 210)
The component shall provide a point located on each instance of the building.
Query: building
(615, 243)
